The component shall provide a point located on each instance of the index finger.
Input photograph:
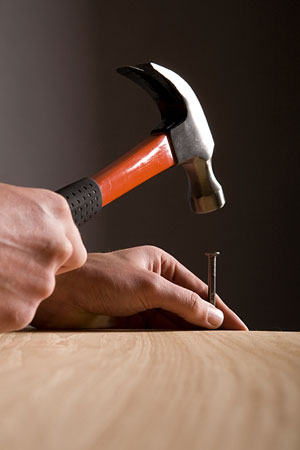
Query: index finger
(177, 273)
(78, 255)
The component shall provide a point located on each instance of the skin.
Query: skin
(142, 287)
(38, 240)
(47, 279)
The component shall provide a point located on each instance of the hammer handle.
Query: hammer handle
(147, 159)
(86, 197)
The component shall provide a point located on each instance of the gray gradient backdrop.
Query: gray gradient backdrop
(65, 113)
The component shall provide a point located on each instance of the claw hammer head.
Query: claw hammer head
(183, 120)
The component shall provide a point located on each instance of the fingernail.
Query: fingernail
(215, 317)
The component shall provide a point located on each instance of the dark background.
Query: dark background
(65, 113)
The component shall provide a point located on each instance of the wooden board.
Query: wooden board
(158, 390)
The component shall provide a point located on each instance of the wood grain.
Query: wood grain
(216, 390)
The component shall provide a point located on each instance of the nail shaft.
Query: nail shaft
(212, 273)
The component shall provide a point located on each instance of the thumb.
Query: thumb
(183, 302)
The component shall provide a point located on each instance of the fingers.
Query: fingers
(183, 302)
(175, 272)
(75, 254)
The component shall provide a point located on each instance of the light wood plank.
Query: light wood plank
(158, 390)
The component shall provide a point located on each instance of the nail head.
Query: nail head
(212, 253)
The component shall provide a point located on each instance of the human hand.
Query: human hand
(142, 287)
(38, 239)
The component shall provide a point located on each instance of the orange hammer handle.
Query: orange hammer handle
(87, 196)
(147, 159)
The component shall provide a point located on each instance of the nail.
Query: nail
(212, 271)
(215, 317)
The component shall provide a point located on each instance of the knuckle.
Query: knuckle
(56, 249)
(16, 318)
(151, 283)
(194, 304)
(81, 258)
(63, 249)
(52, 199)
(61, 204)
(151, 250)
(155, 258)
(147, 287)
(198, 307)
(150, 247)
(40, 285)
(57, 205)
(151, 287)
(44, 285)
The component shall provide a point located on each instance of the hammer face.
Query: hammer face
(205, 193)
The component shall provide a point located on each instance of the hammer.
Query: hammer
(182, 138)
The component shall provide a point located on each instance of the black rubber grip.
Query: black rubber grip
(84, 198)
